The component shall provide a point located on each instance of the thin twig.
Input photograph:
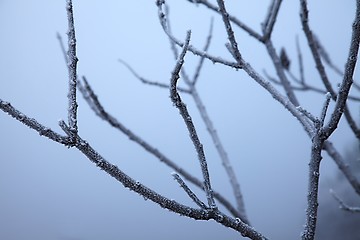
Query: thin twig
(343, 205)
(325, 108)
(300, 59)
(205, 49)
(223, 156)
(146, 81)
(72, 63)
(281, 73)
(344, 168)
(229, 31)
(195, 51)
(304, 15)
(188, 191)
(279, 97)
(176, 99)
(307, 114)
(232, 18)
(33, 124)
(270, 19)
(304, 86)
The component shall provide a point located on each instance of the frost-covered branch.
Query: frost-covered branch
(241, 213)
(94, 103)
(149, 82)
(72, 64)
(230, 33)
(178, 103)
(195, 51)
(313, 188)
(232, 18)
(188, 191)
(280, 70)
(345, 86)
(325, 108)
(304, 86)
(304, 15)
(340, 105)
(33, 124)
(128, 182)
(300, 59)
(208, 123)
(202, 59)
(269, 23)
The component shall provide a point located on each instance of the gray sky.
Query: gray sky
(50, 192)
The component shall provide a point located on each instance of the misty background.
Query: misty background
(48, 191)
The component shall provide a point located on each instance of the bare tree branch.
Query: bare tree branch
(176, 99)
(188, 191)
(99, 110)
(209, 126)
(214, 59)
(325, 108)
(304, 14)
(340, 105)
(344, 168)
(300, 59)
(304, 86)
(216, 140)
(223, 156)
(313, 188)
(233, 19)
(280, 72)
(33, 124)
(269, 23)
(146, 81)
(72, 64)
(230, 32)
(315, 126)
(349, 70)
(205, 49)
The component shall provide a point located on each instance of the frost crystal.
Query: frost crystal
(21, 116)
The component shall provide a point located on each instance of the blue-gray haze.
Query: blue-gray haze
(50, 192)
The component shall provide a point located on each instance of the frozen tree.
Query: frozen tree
(284, 84)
